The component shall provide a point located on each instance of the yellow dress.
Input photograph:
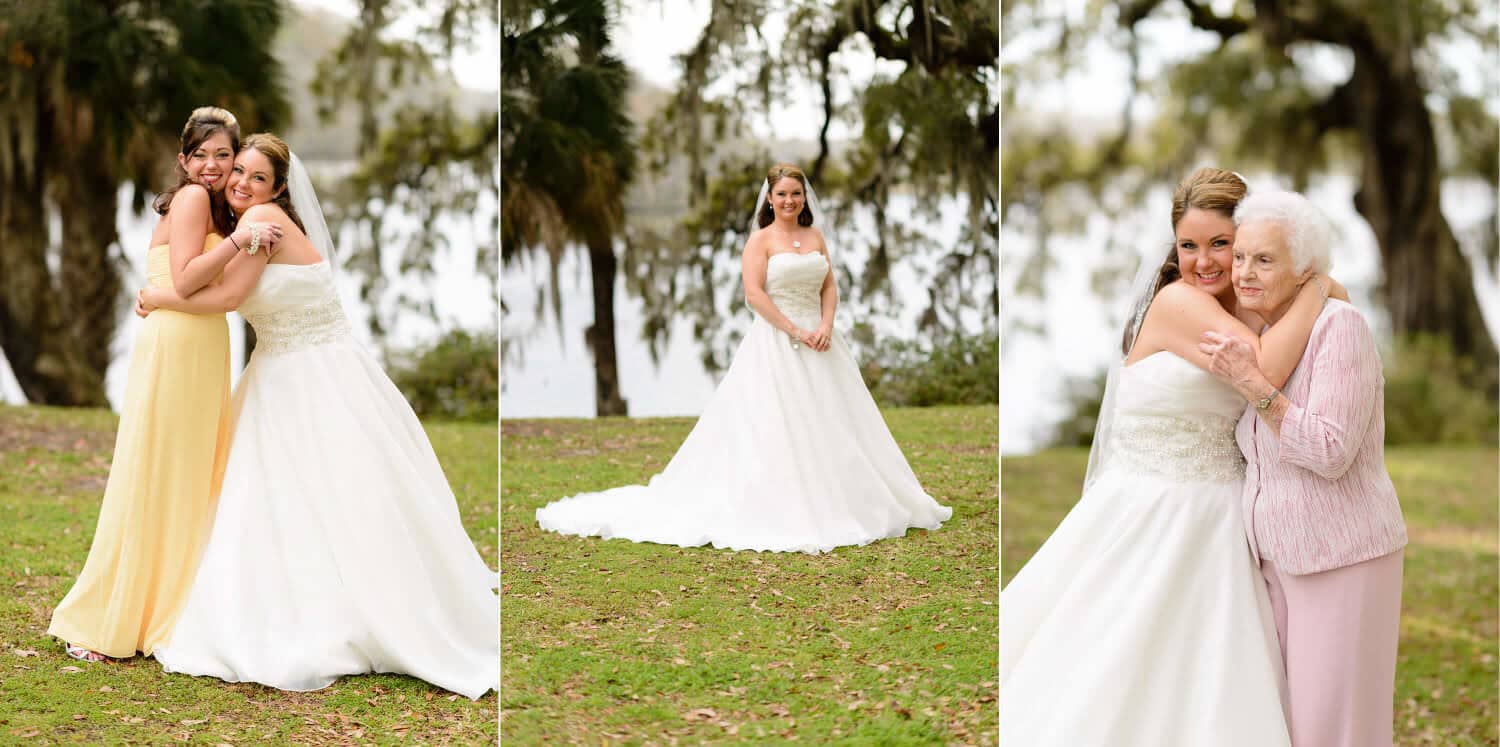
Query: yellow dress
(163, 483)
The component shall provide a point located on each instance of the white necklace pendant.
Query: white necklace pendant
(796, 245)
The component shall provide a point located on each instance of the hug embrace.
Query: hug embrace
(1232, 572)
(299, 528)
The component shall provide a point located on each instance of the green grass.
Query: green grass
(1446, 670)
(53, 465)
(614, 642)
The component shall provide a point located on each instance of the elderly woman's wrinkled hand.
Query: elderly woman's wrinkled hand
(1231, 358)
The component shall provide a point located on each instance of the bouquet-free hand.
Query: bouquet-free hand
(821, 338)
(1231, 358)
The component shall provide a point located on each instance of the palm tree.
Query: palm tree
(567, 155)
(93, 97)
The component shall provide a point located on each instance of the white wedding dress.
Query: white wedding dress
(1142, 621)
(337, 546)
(790, 454)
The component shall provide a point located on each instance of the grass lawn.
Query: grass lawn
(53, 465)
(614, 642)
(1446, 672)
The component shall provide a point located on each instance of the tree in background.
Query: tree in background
(927, 129)
(1253, 96)
(415, 151)
(568, 156)
(93, 95)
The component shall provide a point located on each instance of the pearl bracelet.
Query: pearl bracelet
(254, 239)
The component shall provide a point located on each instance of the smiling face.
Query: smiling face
(1265, 277)
(209, 163)
(252, 181)
(1205, 241)
(787, 198)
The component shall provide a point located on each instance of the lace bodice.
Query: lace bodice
(793, 282)
(294, 307)
(1174, 419)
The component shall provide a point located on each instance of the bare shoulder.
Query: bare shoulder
(191, 193)
(266, 212)
(1179, 293)
(755, 246)
(822, 242)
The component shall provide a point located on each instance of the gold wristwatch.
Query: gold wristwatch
(1265, 402)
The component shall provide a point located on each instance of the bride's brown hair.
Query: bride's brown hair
(280, 155)
(1208, 188)
(780, 171)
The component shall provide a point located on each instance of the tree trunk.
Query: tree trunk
(90, 281)
(1429, 284)
(601, 335)
(36, 343)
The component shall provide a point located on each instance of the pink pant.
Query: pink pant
(1338, 631)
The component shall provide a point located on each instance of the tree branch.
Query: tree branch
(1205, 19)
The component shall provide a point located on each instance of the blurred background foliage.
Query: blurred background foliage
(579, 132)
(1400, 97)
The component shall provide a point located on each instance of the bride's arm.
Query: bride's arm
(829, 293)
(753, 274)
(1184, 313)
(239, 278)
(191, 267)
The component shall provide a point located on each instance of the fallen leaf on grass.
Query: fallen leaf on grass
(106, 689)
(194, 721)
(70, 669)
(24, 652)
(701, 714)
(939, 646)
(79, 717)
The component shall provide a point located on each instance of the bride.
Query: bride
(337, 547)
(1143, 621)
(791, 453)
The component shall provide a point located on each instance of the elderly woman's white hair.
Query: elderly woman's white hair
(1308, 233)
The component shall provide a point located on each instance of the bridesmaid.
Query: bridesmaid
(172, 440)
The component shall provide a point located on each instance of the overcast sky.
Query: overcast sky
(477, 67)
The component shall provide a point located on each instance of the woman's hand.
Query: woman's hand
(143, 305)
(822, 338)
(270, 236)
(1233, 361)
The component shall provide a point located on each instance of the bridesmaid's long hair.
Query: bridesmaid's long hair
(202, 124)
(1208, 188)
(280, 155)
(780, 171)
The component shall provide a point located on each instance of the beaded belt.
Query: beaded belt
(302, 327)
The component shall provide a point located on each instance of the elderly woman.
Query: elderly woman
(1320, 511)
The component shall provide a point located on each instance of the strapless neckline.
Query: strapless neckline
(211, 235)
(795, 254)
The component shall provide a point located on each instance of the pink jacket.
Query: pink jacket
(1318, 497)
